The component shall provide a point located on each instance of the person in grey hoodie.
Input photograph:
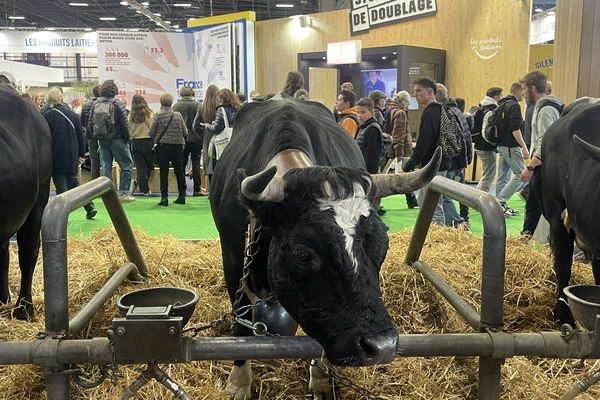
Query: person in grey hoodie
(485, 151)
(547, 110)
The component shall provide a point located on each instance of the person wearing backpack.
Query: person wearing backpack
(547, 110)
(485, 151)
(507, 121)
(428, 139)
(460, 162)
(348, 118)
(92, 143)
(68, 145)
(107, 123)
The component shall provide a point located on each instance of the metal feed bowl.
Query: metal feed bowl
(584, 301)
(183, 301)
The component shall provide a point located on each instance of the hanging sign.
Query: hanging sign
(367, 14)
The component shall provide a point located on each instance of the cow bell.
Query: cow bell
(271, 313)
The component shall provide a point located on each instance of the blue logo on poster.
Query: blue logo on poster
(179, 82)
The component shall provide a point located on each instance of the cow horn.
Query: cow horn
(388, 184)
(587, 148)
(264, 186)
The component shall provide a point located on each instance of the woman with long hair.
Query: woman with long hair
(293, 83)
(140, 119)
(206, 113)
(229, 105)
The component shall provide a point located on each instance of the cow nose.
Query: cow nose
(378, 349)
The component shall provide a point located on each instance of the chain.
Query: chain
(344, 381)
(238, 314)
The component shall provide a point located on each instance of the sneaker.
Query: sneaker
(134, 186)
(91, 213)
(148, 193)
(164, 202)
(180, 200)
(126, 198)
(509, 212)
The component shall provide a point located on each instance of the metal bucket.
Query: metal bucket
(584, 301)
(183, 301)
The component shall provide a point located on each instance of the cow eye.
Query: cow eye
(303, 256)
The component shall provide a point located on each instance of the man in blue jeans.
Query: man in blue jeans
(511, 148)
(116, 148)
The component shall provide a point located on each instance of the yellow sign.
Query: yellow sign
(541, 58)
(221, 19)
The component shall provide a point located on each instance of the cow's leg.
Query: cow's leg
(320, 383)
(562, 249)
(240, 381)
(28, 239)
(4, 259)
(596, 269)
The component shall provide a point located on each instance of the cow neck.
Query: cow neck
(290, 159)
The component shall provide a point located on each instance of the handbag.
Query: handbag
(221, 140)
(158, 138)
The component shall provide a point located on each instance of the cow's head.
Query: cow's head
(588, 148)
(328, 244)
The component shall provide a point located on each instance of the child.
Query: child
(369, 136)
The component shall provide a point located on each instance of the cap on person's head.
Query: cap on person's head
(7, 77)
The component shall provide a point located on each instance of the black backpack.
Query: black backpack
(493, 129)
(451, 133)
(103, 120)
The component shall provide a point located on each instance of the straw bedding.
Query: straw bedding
(414, 305)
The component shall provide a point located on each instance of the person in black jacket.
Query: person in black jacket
(428, 139)
(189, 108)
(68, 145)
(368, 136)
(511, 147)
(92, 143)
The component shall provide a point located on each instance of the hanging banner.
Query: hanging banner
(367, 14)
(213, 56)
(147, 63)
(48, 42)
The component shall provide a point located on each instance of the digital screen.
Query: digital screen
(380, 79)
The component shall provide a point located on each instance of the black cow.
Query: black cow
(25, 169)
(322, 242)
(571, 192)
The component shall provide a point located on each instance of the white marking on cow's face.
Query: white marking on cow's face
(347, 213)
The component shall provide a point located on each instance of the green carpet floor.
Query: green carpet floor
(193, 221)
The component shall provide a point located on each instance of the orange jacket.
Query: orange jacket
(348, 123)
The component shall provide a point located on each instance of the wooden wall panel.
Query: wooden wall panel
(456, 23)
(589, 59)
(324, 85)
(567, 48)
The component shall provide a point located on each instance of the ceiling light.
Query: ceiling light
(182, 5)
(15, 17)
(107, 18)
(383, 57)
(138, 12)
(538, 10)
(12, 28)
(176, 26)
(88, 29)
(134, 30)
(324, 58)
(394, 53)
(179, 30)
(145, 3)
(50, 29)
(123, 3)
(168, 22)
(79, 4)
(157, 14)
(284, 5)
(551, 12)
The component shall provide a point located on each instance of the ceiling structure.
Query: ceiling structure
(82, 14)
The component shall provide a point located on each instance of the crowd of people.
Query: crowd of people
(180, 134)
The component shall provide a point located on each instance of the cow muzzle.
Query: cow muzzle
(369, 350)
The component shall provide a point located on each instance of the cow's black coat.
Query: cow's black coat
(571, 181)
(302, 256)
(25, 169)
